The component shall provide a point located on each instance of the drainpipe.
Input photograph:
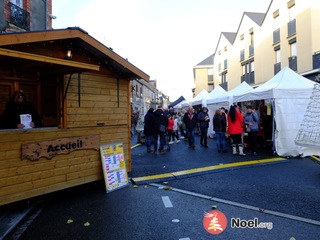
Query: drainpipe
(46, 14)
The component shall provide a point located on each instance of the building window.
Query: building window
(225, 64)
(276, 32)
(210, 74)
(224, 81)
(278, 56)
(292, 13)
(248, 72)
(316, 60)
(19, 16)
(293, 57)
(251, 46)
(252, 66)
(277, 65)
(242, 55)
(292, 21)
(19, 3)
(293, 49)
(210, 87)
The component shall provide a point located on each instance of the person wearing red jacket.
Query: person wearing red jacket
(235, 129)
(170, 129)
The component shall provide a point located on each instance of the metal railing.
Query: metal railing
(224, 85)
(248, 78)
(277, 68)
(293, 63)
(316, 60)
(19, 17)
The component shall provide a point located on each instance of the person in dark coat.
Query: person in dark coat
(204, 119)
(160, 123)
(251, 119)
(190, 120)
(18, 106)
(219, 127)
(148, 128)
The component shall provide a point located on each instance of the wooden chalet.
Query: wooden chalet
(81, 89)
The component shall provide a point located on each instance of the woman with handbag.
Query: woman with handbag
(251, 121)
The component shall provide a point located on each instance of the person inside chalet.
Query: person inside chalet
(20, 113)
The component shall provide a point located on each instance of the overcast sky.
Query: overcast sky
(164, 38)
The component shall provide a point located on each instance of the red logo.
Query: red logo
(214, 222)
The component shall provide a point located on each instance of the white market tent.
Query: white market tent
(224, 99)
(217, 93)
(228, 96)
(200, 98)
(181, 104)
(290, 94)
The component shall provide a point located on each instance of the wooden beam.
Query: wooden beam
(41, 58)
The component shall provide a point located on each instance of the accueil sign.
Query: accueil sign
(50, 148)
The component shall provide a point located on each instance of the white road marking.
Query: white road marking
(236, 204)
(166, 201)
(184, 238)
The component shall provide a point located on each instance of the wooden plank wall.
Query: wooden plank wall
(23, 179)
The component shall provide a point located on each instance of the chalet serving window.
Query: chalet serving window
(42, 95)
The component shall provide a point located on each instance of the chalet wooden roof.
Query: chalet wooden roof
(46, 50)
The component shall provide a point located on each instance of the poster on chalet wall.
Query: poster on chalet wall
(114, 166)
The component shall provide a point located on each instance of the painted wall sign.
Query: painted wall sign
(50, 148)
(113, 166)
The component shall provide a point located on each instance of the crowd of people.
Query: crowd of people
(165, 127)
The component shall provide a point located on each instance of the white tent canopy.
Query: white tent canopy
(217, 93)
(181, 104)
(200, 98)
(228, 96)
(285, 84)
(290, 94)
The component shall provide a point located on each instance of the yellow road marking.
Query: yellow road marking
(137, 145)
(203, 169)
(316, 158)
(152, 177)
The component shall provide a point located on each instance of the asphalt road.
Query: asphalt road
(286, 195)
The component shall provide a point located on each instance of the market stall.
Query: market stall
(289, 95)
(81, 89)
